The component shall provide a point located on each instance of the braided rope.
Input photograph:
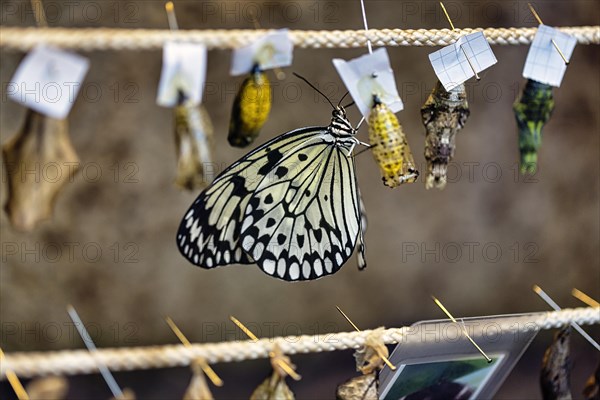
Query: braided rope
(72, 362)
(89, 39)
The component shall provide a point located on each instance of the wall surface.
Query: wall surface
(479, 245)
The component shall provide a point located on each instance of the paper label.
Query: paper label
(270, 51)
(451, 65)
(184, 69)
(368, 75)
(48, 80)
(544, 63)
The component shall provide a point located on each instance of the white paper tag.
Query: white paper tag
(270, 51)
(184, 69)
(544, 63)
(452, 66)
(368, 75)
(48, 80)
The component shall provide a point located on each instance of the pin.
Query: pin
(383, 357)
(279, 74)
(585, 298)
(555, 306)
(39, 14)
(539, 20)
(87, 340)
(170, 9)
(462, 325)
(369, 46)
(463, 50)
(212, 375)
(284, 366)
(14, 381)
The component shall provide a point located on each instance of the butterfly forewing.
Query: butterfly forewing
(302, 221)
(209, 232)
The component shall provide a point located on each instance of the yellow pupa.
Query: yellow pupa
(250, 109)
(389, 145)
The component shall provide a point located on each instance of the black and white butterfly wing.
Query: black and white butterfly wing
(303, 219)
(209, 232)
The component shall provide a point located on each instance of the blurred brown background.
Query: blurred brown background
(124, 272)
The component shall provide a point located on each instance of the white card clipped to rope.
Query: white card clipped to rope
(544, 63)
(274, 50)
(183, 71)
(367, 75)
(48, 81)
(458, 62)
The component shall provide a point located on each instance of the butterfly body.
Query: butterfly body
(291, 206)
(251, 109)
(532, 110)
(390, 147)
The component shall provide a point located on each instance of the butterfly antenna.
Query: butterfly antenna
(342, 99)
(349, 104)
(313, 86)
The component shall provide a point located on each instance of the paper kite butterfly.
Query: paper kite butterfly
(292, 206)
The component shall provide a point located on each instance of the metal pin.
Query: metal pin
(279, 74)
(14, 381)
(285, 366)
(208, 371)
(463, 50)
(585, 298)
(87, 340)
(364, 16)
(539, 20)
(39, 14)
(384, 358)
(170, 9)
(440, 305)
(555, 306)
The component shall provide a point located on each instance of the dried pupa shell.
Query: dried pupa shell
(592, 386)
(198, 388)
(389, 145)
(364, 387)
(369, 361)
(51, 387)
(556, 368)
(443, 115)
(195, 146)
(40, 160)
(275, 387)
(251, 109)
(532, 110)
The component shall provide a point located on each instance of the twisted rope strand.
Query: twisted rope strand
(72, 362)
(90, 39)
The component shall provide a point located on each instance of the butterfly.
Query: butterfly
(292, 206)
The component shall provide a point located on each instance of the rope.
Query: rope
(90, 39)
(72, 362)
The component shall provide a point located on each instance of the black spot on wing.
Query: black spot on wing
(302, 157)
(300, 240)
(281, 172)
(273, 158)
(271, 222)
(269, 199)
(239, 187)
(281, 238)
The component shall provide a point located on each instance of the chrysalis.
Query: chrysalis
(556, 368)
(369, 361)
(592, 386)
(39, 160)
(51, 387)
(274, 387)
(443, 114)
(532, 110)
(390, 147)
(251, 109)
(198, 388)
(195, 145)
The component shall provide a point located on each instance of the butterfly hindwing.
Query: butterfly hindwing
(209, 232)
(303, 219)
